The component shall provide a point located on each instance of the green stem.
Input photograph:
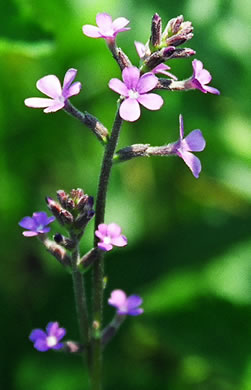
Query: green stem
(81, 305)
(98, 267)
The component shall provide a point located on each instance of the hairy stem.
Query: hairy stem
(98, 267)
(81, 305)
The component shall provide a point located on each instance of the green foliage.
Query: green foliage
(189, 240)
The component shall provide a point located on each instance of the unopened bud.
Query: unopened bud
(56, 250)
(63, 216)
(155, 39)
(64, 241)
(177, 31)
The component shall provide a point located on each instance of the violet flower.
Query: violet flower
(193, 142)
(43, 341)
(200, 78)
(37, 224)
(126, 305)
(50, 86)
(107, 28)
(110, 235)
(144, 52)
(134, 89)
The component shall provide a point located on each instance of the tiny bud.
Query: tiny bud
(96, 325)
(72, 347)
(62, 198)
(64, 241)
(63, 216)
(56, 250)
(155, 39)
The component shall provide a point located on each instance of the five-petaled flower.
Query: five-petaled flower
(110, 235)
(134, 89)
(193, 142)
(200, 78)
(43, 341)
(37, 224)
(50, 86)
(107, 28)
(126, 305)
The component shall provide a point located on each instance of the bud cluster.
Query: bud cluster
(163, 45)
(72, 210)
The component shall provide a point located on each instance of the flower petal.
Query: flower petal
(118, 86)
(197, 66)
(129, 110)
(118, 298)
(146, 83)
(204, 76)
(162, 68)
(211, 90)
(55, 107)
(140, 48)
(41, 345)
(38, 102)
(130, 76)
(194, 141)
(119, 24)
(134, 301)
(50, 86)
(191, 161)
(30, 234)
(151, 101)
(119, 241)
(91, 31)
(113, 230)
(37, 334)
(104, 21)
(40, 218)
(135, 312)
(105, 247)
(69, 77)
(27, 223)
(73, 90)
(102, 228)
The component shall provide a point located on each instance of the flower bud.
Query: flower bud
(177, 31)
(63, 216)
(64, 241)
(155, 39)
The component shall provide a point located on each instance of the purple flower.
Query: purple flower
(110, 235)
(107, 28)
(36, 224)
(134, 89)
(200, 78)
(193, 142)
(126, 305)
(50, 86)
(43, 341)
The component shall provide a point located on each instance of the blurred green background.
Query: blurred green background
(189, 252)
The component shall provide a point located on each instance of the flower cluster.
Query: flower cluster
(75, 210)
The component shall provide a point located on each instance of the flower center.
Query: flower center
(51, 341)
(133, 94)
(40, 227)
(107, 240)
